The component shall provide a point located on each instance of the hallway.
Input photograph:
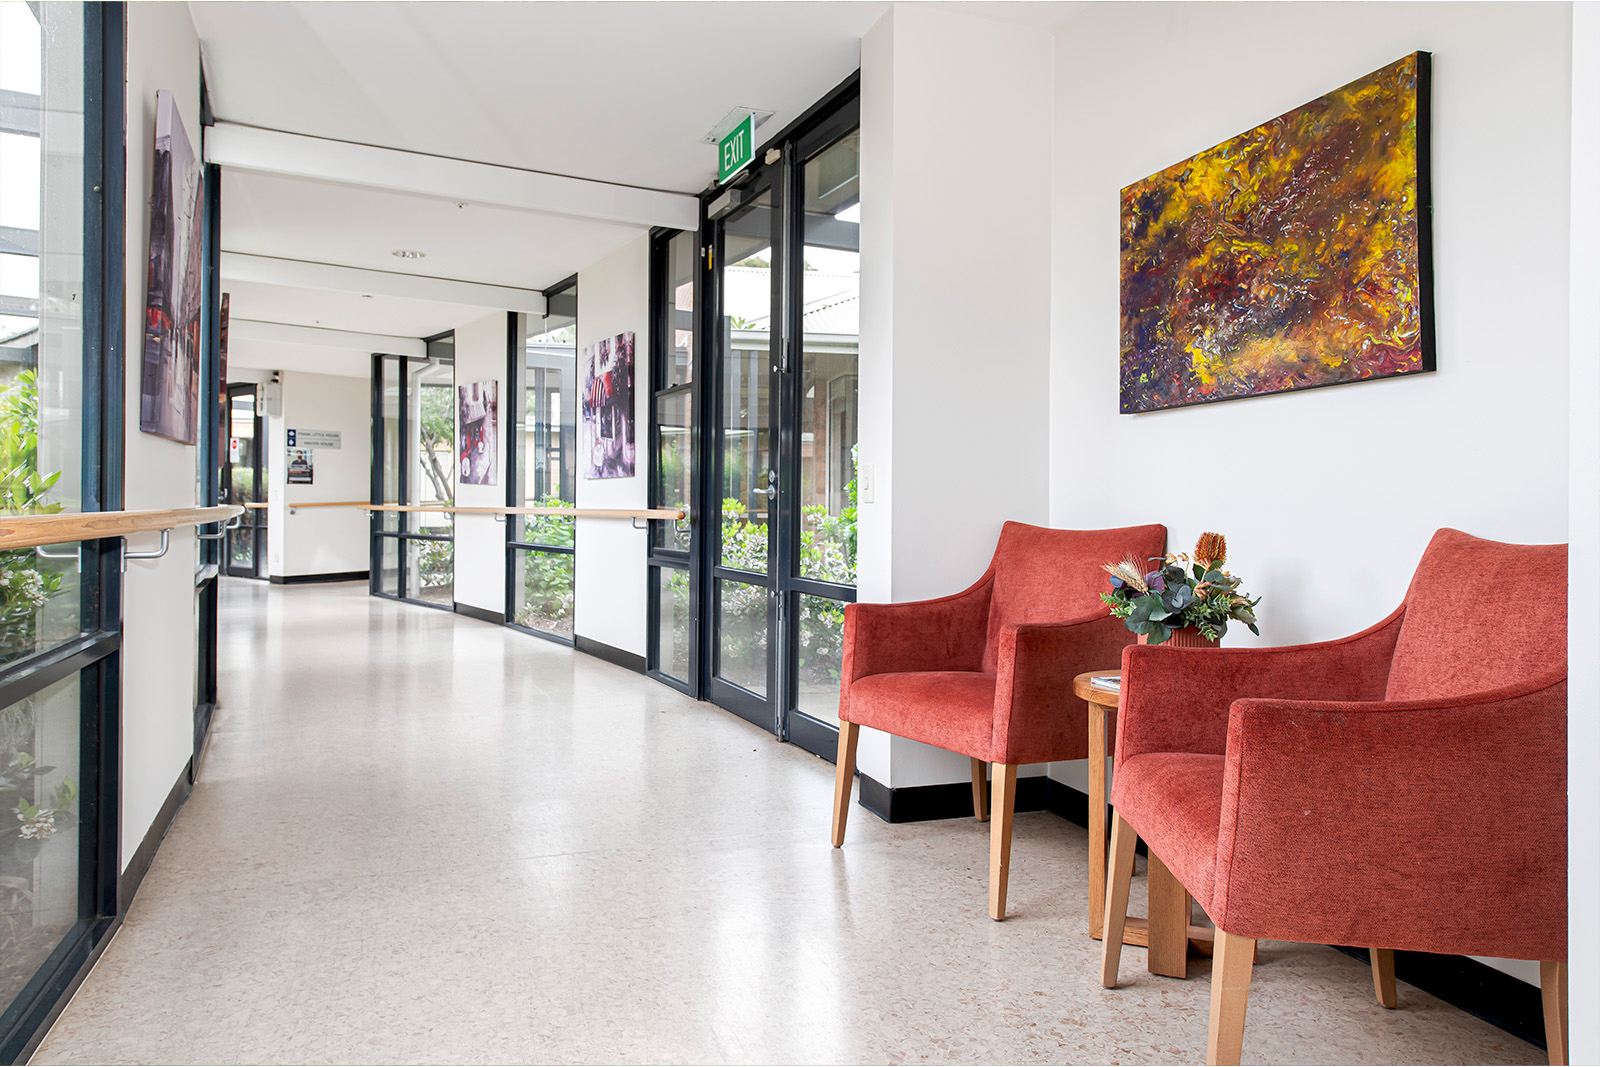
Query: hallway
(421, 838)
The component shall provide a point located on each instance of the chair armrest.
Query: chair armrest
(1037, 718)
(1435, 825)
(947, 634)
(1177, 699)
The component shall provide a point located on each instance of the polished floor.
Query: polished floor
(421, 838)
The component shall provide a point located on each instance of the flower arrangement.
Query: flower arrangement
(1181, 592)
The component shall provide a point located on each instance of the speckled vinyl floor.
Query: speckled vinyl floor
(420, 838)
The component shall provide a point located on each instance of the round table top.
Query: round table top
(1084, 687)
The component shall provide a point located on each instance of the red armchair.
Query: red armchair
(1403, 788)
(988, 672)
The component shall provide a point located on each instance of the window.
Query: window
(540, 550)
(59, 604)
(414, 459)
(673, 263)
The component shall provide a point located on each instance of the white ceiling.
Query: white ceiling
(617, 92)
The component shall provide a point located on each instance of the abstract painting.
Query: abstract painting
(608, 407)
(169, 387)
(478, 412)
(1294, 256)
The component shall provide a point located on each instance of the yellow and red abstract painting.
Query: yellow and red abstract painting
(1293, 256)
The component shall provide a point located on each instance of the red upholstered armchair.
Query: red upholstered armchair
(1404, 788)
(988, 672)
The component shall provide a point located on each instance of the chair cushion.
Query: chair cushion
(1043, 575)
(1174, 801)
(1481, 615)
(949, 709)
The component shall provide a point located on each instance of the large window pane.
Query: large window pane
(672, 624)
(547, 475)
(821, 633)
(41, 302)
(542, 591)
(747, 465)
(674, 452)
(39, 850)
(430, 571)
(392, 371)
(682, 257)
(830, 325)
(432, 419)
(742, 635)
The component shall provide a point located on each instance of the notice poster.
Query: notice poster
(300, 466)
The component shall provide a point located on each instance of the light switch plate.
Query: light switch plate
(864, 484)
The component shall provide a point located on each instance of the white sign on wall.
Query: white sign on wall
(314, 439)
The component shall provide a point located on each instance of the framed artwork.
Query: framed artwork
(169, 384)
(608, 445)
(478, 413)
(1294, 256)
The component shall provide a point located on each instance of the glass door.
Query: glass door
(414, 463)
(743, 600)
(246, 482)
(782, 269)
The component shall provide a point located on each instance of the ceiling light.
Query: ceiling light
(407, 253)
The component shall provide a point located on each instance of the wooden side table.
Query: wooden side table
(1168, 932)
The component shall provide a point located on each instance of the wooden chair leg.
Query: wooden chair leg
(1553, 991)
(980, 790)
(1230, 993)
(1004, 807)
(844, 772)
(1118, 882)
(1383, 976)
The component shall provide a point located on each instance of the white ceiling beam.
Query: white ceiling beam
(300, 156)
(301, 274)
(316, 336)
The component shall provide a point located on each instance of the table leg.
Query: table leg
(1097, 819)
(1170, 907)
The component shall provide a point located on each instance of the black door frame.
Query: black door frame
(252, 523)
(824, 123)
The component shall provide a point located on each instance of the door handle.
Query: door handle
(772, 485)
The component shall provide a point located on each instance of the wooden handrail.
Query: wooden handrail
(32, 531)
(580, 513)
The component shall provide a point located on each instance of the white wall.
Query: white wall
(955, 325)
(610, 572)
(1583, 634)
(320, 540)
(1331, 495)
(480, 548)
(159, 616)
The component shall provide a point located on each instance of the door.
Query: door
(743, 590)
(783, 270)
(246, 482)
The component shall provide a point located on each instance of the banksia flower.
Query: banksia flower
(1126, 573)
(1211, 549)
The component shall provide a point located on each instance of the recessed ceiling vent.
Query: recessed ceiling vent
(407, 253)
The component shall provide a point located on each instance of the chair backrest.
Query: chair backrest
(1481, 615)
(1044, 575)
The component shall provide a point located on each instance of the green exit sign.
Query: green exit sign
(737, 149)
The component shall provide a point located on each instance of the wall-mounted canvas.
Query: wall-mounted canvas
(608, 407)
(1294, 256)
(169, 385)
(478, 412)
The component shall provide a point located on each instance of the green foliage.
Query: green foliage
(1178, 593)
(547, 576)
(437, 426)
(25, 582)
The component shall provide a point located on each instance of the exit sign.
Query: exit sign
(737, 149)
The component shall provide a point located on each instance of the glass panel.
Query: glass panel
(830, 327)
(672, 627)
(242, 549)
(39, 853)
(389, 573)
(747, 478)
(742, 635)
(821, 632)
(431, 399)
(430, 571)
(682, 258)
(673, 456)
(542, 587)
(41, 286)
(547, 476)
(393, 373)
